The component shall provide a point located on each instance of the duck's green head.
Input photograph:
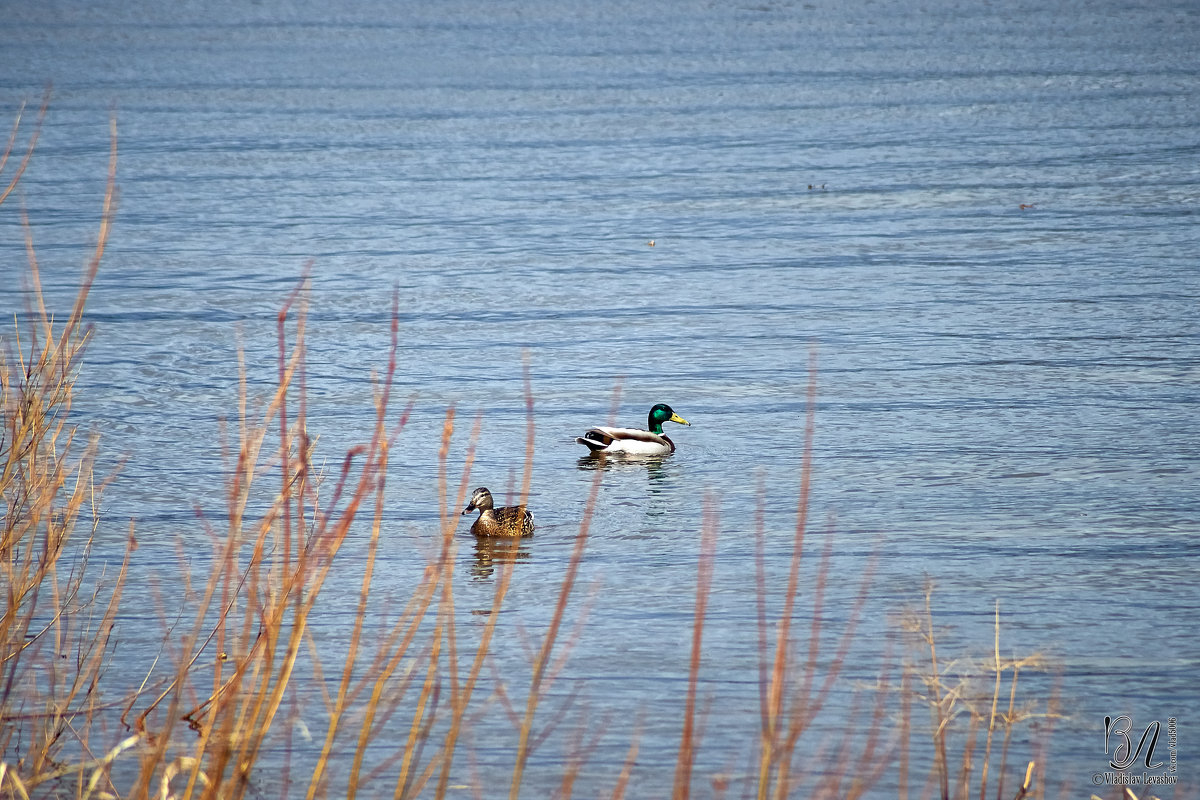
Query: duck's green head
(662, 413)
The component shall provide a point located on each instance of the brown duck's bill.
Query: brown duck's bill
(680, 420)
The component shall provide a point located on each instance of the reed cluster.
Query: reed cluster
(57, 625)
(223, 712)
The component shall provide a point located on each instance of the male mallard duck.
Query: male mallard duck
(506, 521)
(633, 441)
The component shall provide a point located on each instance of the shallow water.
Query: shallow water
(981, 219)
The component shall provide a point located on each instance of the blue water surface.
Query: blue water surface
(979, 219)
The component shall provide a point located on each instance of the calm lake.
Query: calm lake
(982, 219)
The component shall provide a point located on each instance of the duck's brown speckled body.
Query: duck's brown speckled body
(508, 521)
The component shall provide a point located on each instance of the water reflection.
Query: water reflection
(662, 476)
(658, 468)
(490, 551)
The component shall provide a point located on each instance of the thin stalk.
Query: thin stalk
(704, 572)
(627, 767)
(542, 661)
(459, 700)
(1008, 728)
(996, 665)
(939, 733)
(344, 686)
(29, 148)
(777, 687)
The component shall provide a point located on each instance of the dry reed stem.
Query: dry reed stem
(542, 661)
(952, 702)
(688, 739)
(772, 698)
(431, 688)
(391, 653)
(967, 762)
(347, 690)
(627, 767)
(905, 735)
(45, 483)
(461, 697)
(527, 384)
(459, 703)
(445, 623)
(937, 706)
(1012, 700)
(304, 581)
(408, 782)
(877, 764)
(805, 705)
(344, 692)
(991, 729)
(29, 147)
(578, 752)
(290, 556)
(789, 706)
(1028, 779)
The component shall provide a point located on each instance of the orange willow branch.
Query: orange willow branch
(773, 708)
(704, 569)
(12, 139)
(542, 661)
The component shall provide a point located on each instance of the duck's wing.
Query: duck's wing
(595, 439)
(515, 520)
(627, 440)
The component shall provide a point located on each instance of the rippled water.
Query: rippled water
(982, 218)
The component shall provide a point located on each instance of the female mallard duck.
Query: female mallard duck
(632, 441)
(506, 521)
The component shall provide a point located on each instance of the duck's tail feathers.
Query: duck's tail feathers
(595, 439)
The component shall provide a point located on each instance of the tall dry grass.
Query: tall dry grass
(56, 628)
(225, 712)
(970, 692)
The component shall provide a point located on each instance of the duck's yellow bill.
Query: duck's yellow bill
(680, 420)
